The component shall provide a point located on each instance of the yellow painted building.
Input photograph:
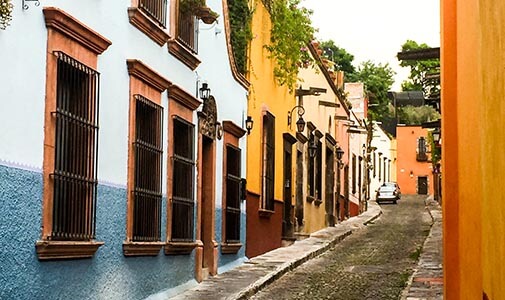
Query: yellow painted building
(320, 207)
(268, 185)
(473, 108)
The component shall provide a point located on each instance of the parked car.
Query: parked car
(387, 193)
(397, 187)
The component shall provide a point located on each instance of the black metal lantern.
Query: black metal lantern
(340, 153)
(204, 91)
(312, 149)
(436, 136)
(249, 124)
(300, 124)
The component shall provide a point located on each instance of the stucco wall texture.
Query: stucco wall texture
(108, 275)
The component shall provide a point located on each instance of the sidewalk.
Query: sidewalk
(256, 273)
(427, 282)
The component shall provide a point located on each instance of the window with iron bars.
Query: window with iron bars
(156, 9)
(354, 174)
(421, 149)
(319, 170)
(183, 202)
(233, 182)
(268, 167)
(76, 150)
(311, 171)
(187, 30)
(148, 153)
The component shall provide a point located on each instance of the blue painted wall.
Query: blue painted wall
(108, 275)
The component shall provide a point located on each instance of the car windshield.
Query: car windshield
(386, 189)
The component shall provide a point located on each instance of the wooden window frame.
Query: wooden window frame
(147, 83)
(144, 21)
(182, 105)
(176, 46)
(268, 163)
(421, 149)
(232, 135)
(67, 35)
(353, 167)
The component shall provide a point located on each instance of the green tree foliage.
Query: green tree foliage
(420, 79)
(417, 115)
(378, 79)
(420, 71)
(241, 34)
(5, 13)
(291, 31)
(342, 59)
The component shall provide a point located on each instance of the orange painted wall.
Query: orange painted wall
(406, 137)
(472, 133)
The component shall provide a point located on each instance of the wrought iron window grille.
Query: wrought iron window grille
(233, 190)
(148, 152)
(76, 150)
(156, 9)
(183, 203)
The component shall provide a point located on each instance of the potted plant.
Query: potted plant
(5, 13)
(199, 9)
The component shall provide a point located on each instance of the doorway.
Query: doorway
(299, 191)
(207, 213)
(287, 223)
(329, 188)
(422, 185)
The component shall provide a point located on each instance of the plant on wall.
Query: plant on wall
(240, 33)
(199, 9)
(5, 13)
(291, 31)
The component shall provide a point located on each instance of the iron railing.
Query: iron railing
(148, 151)
(156, 9)
(76, 150)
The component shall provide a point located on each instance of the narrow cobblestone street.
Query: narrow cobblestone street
(374, 263)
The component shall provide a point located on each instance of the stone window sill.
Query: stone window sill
(145, 24)
(230, 248)
(265, 213)
(183, 54)
(175, 248)
(47, 250)
(142, 248)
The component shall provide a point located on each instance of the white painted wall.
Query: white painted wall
(23, 73)
(382, 142)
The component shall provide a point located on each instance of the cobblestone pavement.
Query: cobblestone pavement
(374, 263)
(427, 282)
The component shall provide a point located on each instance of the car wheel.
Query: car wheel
(395, 201)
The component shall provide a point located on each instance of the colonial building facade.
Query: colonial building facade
(117, 176)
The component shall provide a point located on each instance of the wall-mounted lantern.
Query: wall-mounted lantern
(300, 124)
(219, 130)
(204, 91)
(436, 135)
(411, 174)
(312, 148)
(340, 154)
(249, 124)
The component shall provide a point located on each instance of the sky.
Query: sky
(375, 30)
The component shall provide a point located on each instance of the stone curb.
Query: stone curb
(372, 214)
(435, 219)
